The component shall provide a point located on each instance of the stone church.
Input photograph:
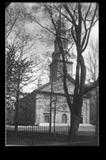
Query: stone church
(48, 102)
(49, 99)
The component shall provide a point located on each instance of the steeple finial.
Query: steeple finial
(59, 23)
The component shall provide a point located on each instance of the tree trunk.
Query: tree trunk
(75, 118)
(16, 111)
(97, 111)
(50, 120)
(54, 119)
(55, 114)
(51, 99)
(17, 101)
(74, 125)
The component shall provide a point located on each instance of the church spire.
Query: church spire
(58, 33)
(61, 31)
(57, 63)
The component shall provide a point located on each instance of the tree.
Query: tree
(78, 20)
(92, 68)
(13, 16)
(92, 61)
(18, 67)
(82, 18)
(16, 74)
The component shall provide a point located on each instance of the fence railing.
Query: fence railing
(37, 134)
(32, 135)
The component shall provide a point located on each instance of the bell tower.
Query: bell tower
(56, 65)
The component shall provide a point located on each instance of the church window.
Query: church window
(64, 118)
(64, 107)
(46, 118)
(81, 119)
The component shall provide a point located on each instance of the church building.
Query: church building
(48, 102)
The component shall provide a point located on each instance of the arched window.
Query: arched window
(64, 118)
(64, 107)
(81, 119)
(46, 118)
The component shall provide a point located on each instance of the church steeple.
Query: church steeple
(57, 63)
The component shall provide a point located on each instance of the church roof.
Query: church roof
(57, 79)
(58, 87)
(42, 89)
(46, 88)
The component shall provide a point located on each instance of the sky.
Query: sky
(40, 48)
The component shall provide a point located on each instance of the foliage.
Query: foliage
(14, 67)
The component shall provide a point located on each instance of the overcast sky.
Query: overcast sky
(40, 48)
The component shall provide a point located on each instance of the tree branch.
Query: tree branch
(72, 32)
(12, 25)
(83, 40)
(74, 11)
(88, 11)
(91, 87)
(83, 74)
(44, 27)
(63, 15)
(69, 12)
(89, 30)
(51, 16)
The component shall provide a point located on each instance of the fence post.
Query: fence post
(32, 136)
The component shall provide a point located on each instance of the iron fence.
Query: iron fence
(35, 135)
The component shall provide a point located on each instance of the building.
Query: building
(48, 102)
(35, 107)
(94, 105)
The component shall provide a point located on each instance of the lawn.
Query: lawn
(38, 135)
(45, 139)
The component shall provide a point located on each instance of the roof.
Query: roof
(38, 90)
(45, 85)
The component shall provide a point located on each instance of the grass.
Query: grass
(36, 139)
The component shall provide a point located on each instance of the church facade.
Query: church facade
(60, 113)
(36, 107)
(49, 101)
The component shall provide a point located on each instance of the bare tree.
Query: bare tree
(78, 19)
(80, 31)
(18, 68)
(82, 17)
(93, 71)
(13, 17)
